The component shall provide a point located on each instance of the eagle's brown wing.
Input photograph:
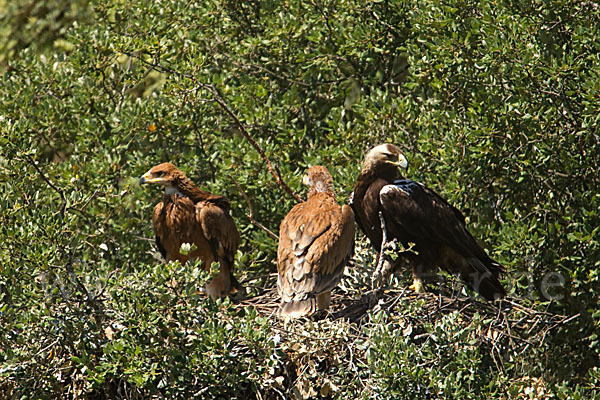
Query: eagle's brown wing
(158, 225)
(221, 233)
(316, 240)
(219, 229)
(175, 223)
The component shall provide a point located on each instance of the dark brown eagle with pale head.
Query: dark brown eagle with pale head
(316, 241)
(187, 214)
(416, 216)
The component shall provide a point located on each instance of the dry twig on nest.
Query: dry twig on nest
(507, 326)
(505, 329)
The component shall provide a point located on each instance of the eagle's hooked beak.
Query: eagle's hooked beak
(401, 162)
(306, 180)
(147, 178)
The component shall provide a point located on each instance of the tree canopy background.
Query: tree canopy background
(495, 103)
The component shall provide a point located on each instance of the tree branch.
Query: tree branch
(273, 170)
(63, 200)
(251, 214)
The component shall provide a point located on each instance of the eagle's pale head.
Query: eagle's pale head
(318, 179)
(384, 155)
(165, 174)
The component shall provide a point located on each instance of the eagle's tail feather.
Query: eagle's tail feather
(484, 278)
(306, 307)
(297, 309)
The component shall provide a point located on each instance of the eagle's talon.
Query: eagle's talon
(417, 286)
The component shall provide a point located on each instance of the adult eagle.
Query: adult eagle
(187, 214)
(316, 240)
(416, 216)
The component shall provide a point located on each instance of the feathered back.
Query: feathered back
(316, 240)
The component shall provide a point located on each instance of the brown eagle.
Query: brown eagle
(316, 240)
(416, 216)
(187, 214)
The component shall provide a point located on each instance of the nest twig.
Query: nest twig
(508, 327)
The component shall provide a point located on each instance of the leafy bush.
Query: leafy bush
(495, 105)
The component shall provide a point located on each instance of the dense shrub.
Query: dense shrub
(494, 103)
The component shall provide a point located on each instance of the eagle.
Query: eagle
(432, 232)
(187, 214)
(316, 241)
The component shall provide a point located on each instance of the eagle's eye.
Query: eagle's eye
(159, 173)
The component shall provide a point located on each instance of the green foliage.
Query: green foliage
(39, 25)
(494, 103)
(165, 338)
(445, 362)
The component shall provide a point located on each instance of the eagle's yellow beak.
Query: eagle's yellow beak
(306, 180)
(147, 178)
(401, 162)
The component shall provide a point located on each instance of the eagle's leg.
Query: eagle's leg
(417, 272)
(376, 279)
(389, 265)
(405, 257)
(220, 285)
(323, 300)
(385, 265)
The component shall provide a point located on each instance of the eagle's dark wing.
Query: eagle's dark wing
(415, 213)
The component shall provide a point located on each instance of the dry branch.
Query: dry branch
(250, 215)
(273, 170)
(508, 329)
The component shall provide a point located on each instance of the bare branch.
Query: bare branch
(273, 170)
(251, 214)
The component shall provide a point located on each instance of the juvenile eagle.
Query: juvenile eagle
(316, 240)
(187, 214)
(415, 215)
